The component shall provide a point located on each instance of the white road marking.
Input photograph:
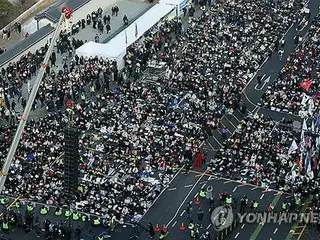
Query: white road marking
(188, 186)
(203, 185)
(182, 213)
(235, 189)
(185, 199)
(196, 195)
(172, 189)
(274, 232)
(208, 226)
(174, 223)
(262, 196)
(243, 226)
(236, 235)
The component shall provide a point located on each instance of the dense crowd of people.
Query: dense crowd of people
(266, 153)
(296, 88)
(134, 135)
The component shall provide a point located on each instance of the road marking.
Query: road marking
(235, 189)
(203, 185)
(236, 235)
(274, 232)
(229, 181)
(196, 195)
(172, 189)
(185, 199)
(182, 213)
(262, 196)
(208, 226)
(264, 83)
(186, 186)
(243, 226)
(216, 141)
(258, 229)
(174, 223)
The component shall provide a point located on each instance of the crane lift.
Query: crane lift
(65, 16)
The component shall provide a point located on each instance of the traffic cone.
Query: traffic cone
(197, 201)
(182, 227)
(164, 228)
(157, 228)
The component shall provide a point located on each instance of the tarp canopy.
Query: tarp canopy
(116, 47)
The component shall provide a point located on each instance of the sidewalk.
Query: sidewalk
(131, 8)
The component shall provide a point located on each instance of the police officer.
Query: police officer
(163, 234)
(96, 221)
(228, 200)
(75, 216)
(202, 193)
(67, 213)
(29, 207)
(5, 226)
(84, 218)
(254, 205)
(58, 212)
(43, 210)
(243, 204)
(100, 237)
(284, 206)
(112, 222)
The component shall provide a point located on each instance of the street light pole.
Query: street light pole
(26, 112)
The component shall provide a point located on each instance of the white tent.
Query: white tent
(116, 47)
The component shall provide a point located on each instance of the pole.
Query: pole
(26, 112)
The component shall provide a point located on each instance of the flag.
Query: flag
(316, 95)
(306, 83)
(304, 125)
(125, 35)
(302, 137)
(293, 147)
(69, 103)
(136, 30)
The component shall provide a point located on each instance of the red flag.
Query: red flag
(68, 103)
(136, 31)
(305, 84)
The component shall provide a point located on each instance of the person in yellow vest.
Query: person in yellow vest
(75, 216)
(58, 212)
(100, 237)
(96, 221)
(284, 206)
(163, 234)
(29, 207)
(84, 218)
(112, 222)
(67, 213)
(229, 200)
(5, 226)
(43, 210)
(254, 205)
(4, 201)
(298, 202)
(17, 204)
(202, 193)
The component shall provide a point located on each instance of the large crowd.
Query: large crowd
(270, 154)
(134, 135)
(296, 88)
